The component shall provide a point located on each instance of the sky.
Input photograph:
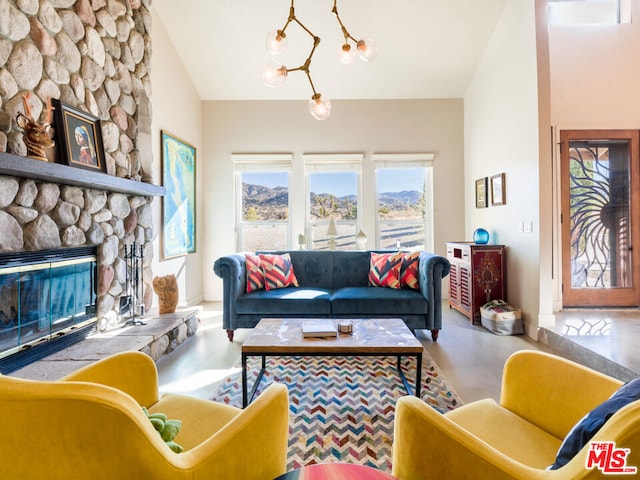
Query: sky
(345, 183)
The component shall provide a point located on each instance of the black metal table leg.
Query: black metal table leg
(247, 398)
(418, 374)
(405, 382)
(244, 380)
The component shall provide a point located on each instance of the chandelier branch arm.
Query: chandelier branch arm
(313, 88)
(302, 26)
(307, 63)
(345, 32)
(305, 66)
(290, 18)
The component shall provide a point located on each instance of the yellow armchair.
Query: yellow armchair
(542, 397)
(90, 425)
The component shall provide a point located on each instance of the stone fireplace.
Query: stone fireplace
(94, 55)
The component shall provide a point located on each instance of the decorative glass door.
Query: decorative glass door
(599, 175)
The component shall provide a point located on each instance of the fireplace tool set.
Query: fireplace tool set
(132, 301)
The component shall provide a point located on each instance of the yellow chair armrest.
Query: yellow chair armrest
(551, 392)
(429, 445)
(252, 446)
(131, 372)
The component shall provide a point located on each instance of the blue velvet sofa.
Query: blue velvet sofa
(332, 284)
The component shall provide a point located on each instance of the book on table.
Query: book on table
(319, 328)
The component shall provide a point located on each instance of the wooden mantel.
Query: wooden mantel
(24, 167)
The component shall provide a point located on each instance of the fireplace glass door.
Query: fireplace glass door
(42, 300)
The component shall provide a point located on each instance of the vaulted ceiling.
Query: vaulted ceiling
(426, 48)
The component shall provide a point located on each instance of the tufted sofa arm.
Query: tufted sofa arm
(231, 269)
(432, 269)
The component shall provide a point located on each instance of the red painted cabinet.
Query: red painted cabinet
(478, 274)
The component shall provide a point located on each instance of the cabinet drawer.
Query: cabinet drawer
(458, 252)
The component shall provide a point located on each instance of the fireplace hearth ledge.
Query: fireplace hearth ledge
(160, 335)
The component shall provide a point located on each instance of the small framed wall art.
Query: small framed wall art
(498, 188)
(179, 203)
(481, 193)
(79, 137)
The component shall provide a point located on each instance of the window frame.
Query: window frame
(259, 163)
(332, 163)
(403, 160)
(582, 12)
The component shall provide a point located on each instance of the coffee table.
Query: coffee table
(371, 337)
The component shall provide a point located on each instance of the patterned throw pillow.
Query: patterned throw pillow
(384, 269)
(255, 276)
(409, 271)
(278, 271)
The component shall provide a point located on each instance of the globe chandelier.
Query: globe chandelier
(274, 74)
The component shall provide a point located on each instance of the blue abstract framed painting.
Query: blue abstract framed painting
(179, 202)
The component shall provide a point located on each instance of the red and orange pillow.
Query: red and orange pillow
(384, 269)
(255, 275)
(409, 275)
(269, 271)
(394, 270)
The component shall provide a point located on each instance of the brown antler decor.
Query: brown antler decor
(36, 134)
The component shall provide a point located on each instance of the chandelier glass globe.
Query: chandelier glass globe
(319, 108)
(273, 74)
(276, 42)
(367, 50)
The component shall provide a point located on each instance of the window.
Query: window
(262, 193)
(404, 202)
(322, 202)
(576, 12)
(333, 199)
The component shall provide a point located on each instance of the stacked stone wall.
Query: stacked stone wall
(94, 55)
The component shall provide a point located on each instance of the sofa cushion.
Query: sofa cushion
(278, 271)
(409, 275)
(313, 268)
(255, 275)
(586, 428)
(366, 301)
(350, 268)
(289, 301)
(384, 270)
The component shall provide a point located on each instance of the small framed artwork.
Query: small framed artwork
(79, 137)
(498, 189)
(179, 203)
(481, 193)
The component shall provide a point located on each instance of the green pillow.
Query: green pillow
(168, 429)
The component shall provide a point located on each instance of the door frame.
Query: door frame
(614, 297)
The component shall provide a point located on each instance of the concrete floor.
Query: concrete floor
(470, 357)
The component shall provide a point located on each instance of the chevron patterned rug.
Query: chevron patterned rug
(342, 408)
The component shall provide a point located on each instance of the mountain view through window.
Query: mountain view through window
(400, 202)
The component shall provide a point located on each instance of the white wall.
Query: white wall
(594, 84)
(177, 109)
(383, 126)
(501, 135)
(595, 75)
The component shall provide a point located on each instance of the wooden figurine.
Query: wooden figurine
(167, 290)
(36, 136)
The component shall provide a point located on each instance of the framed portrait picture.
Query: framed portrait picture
(498, 189)
(179, 203)
(79, 137)
(481, 193)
